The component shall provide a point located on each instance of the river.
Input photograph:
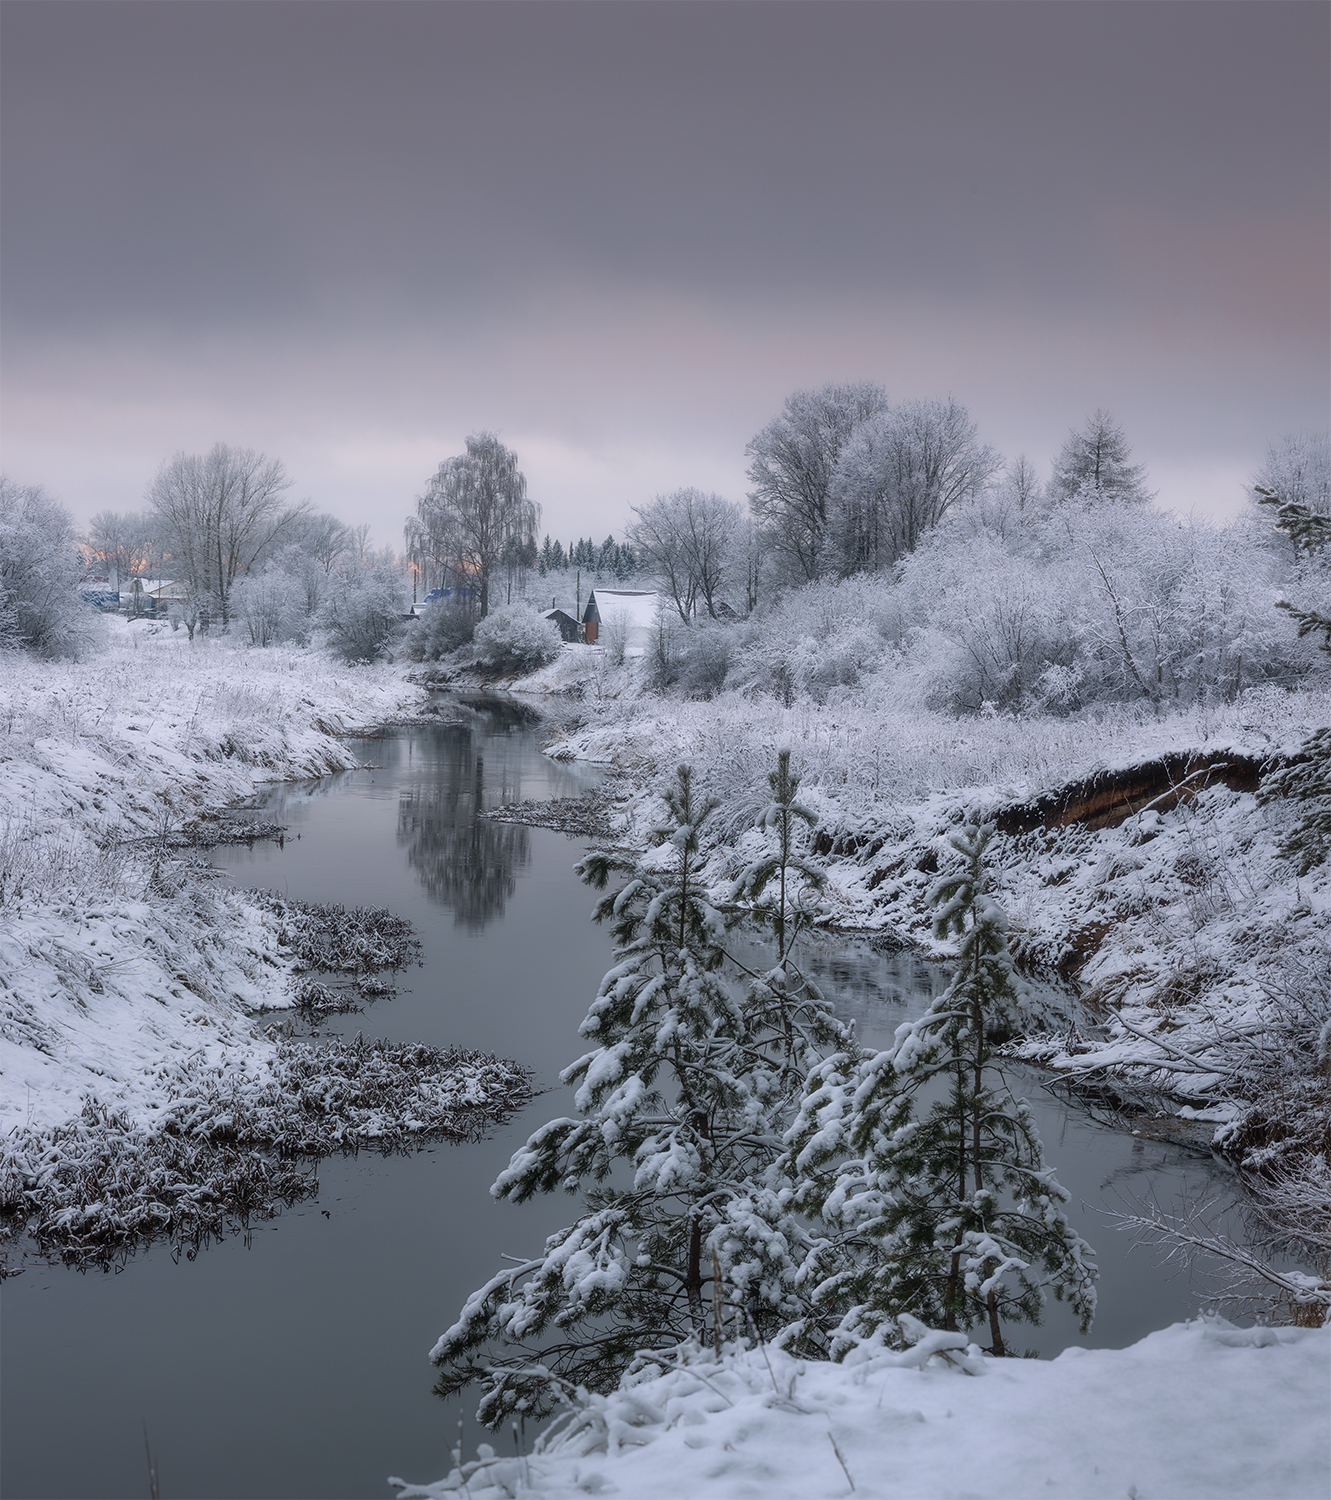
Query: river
(293, 1362)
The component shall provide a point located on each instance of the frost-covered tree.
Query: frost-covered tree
(1297, 468)
(1094, 463)
(270, 606)
(681, 1103)
(475, 510)
(898, 474)
(220, 515)
(362, 611)
(687, 541)
(40, 567)
(925, 1171)
(792, 461)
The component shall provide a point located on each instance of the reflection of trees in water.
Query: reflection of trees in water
(466, 863)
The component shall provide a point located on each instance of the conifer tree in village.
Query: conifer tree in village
(684, 1232)
(926, 1174)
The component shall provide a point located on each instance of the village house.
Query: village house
(152, 596)
(627, 614)
(569, 629)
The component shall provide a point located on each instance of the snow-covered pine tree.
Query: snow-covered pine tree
(790, 1029)
(681, 1107)
(1093, 463)
(926, 1173)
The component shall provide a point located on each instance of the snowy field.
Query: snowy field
(1198, 1411)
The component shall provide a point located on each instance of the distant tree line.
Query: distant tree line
(237, 554)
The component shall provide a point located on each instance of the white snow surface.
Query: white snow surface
(1202, 1409)
(111, 979)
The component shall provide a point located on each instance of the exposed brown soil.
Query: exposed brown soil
(1111, 797)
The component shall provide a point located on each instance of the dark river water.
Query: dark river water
(295, 1363)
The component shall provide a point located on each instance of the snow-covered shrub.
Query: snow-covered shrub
(362, 613)
(704, 660)
(270, 606)
(514, 638)
(613, 637)
(441, 631)
(812, 640)
(664, 650)
(40, 567)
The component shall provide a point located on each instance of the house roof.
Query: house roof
(639, 606)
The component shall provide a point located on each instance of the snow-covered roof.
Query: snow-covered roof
(638, 606)
(153, 585)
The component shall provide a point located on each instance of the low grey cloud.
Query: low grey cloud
(621, 234)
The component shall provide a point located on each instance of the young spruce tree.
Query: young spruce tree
(926, 1174)
(682, 1103)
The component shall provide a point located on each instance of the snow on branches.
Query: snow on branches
(695, 1069)
(926, 1175)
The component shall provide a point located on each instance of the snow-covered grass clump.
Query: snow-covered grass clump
(1202, 1410)
(94, 1184)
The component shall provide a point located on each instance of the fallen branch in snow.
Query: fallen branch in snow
(1205, 1069)
(1308, 1298)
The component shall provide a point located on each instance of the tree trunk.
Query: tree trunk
(693, 1281)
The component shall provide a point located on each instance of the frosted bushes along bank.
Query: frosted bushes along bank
(1056, 608)
(1198, 1411)
(866, 751)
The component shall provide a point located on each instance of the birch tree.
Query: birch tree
(690, 542)
(475, 512)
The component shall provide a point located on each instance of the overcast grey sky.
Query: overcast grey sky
(620, 234)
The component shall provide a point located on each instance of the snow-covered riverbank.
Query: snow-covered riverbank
(1201, 1410)
(1176, 921)
(129, 976)
(117, 962)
